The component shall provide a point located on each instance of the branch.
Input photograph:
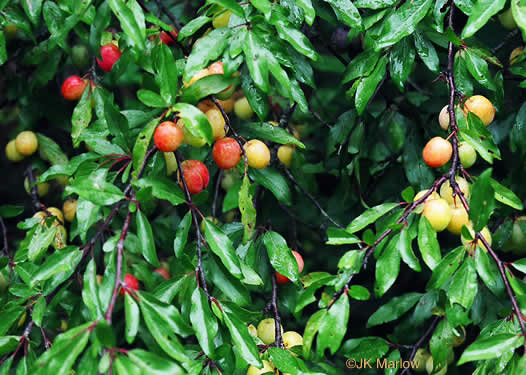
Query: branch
(169, 14)
(275, 312)
(33, 189)
(118, 275)
(216, 192)
(419, 343)
(199, 269)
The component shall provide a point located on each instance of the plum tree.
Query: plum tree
(419, 195)
(443, 118)
(11, 152)
(285, 154)
(459, 218)
(437, 152)
(291, 339)
(216, 120)
(266, 368)
(485, 233)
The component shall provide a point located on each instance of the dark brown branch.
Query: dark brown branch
(275, 312)
(118, 273)
(216, 192)
(169, 14)
(5, 249)
(37, 205)
(422, 339)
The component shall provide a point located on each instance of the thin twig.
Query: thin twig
(275, 312)
(422, 339)
(216, 192)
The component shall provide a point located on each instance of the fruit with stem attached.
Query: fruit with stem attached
(26, 143)
(109, 54)
(437, 152)
(242, 109)
(467, 154)
(196, 175)
(130, 282)
(216, 120)
(226, 153)
(11, 152)
(443, 118)
(257, 153)
(69, 208)
(285, 154)
(481, 107)
(169, 38)
(420, 194)
(438, 212)
(446, 192)
(168, 136)
(299, 260)
(459, 218)
(267, 331)
(73, 87)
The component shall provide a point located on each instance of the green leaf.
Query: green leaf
(3, 51)
(50, 150)
(406, 250)
(308, 10)
(337, 236)
(426, 51)
(65, 260)
(147, 242)
(256, 97)
(38, 311)
(195, 121)
(95, 188)
(133, 318)
(163, 188)
(463, 288)
(209, 48)
(32, 9)
(401, 60)
(280, 256)
(151, 99)
(297, 39)
(141, 145)
(181, 236)
(154, 364)
(242, 340)
(367, 86)
(520, 265)
(362, 65)
(8, 211)
(266, 131)
(446, 268)
(128, 23)
(428, 243)
(489, 273)
(81, 117)
(478, 67)
(346, 12)
(393, 309)
(333, 328)
(481, 13)
(193, 26)
(40, 241)
(482, 201)
(90, 295)
(359, 292)
(231, 5)
(518, 9)
(441, 344)
(246, 207)
(273, 181)
(222, 246)
(311, 329)
(370, 216)
(203, 321)
(206, 86)
(8, 345)
(401, 22)
(387, 267)
(505, 195)
(490, 347)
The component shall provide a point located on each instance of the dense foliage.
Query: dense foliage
(184, 178)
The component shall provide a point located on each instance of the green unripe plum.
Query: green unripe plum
(192, 140)
(507, 20)
(242, 109)
(267, 367)
(42, 188)
(222, 19)
(80, 56)
(292, 339)
(11, 152)
(267, 331)
(420, 360)
(438, 212)
(446, 192)
(467, 154)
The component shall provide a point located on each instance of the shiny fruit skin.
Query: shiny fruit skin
(196, 175)
(459, 218)
(285, 153)
(443, 118)
(11, 152)
(438, 212)
(467, 154)
(130, 282)
(221, 20)
(437, 152)
(167, 39)
(484, 232)
(42, 188)
(242, 109)
(73, 88)
(226, 153)
(168, 136)
(299, 259)
(481, 107)
(216, 120)
(26, 143)
(446, 192)
(57, 213)
(291, 339)
(420, 194)
(267, 331)
(80, 56)
(109, 53)
(258, 154)
(267, 367)
(163, 272)
(69, 208)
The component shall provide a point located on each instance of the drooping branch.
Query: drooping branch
(421, 341)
